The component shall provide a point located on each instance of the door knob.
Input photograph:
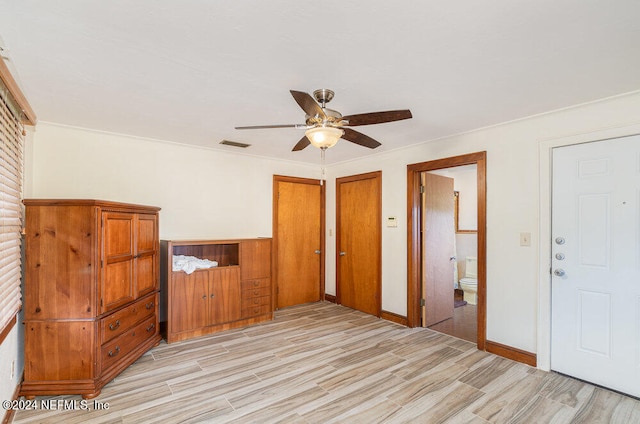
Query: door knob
(559, 272)
(560, 240)
(318, 251)
(343, 253)
(560, 256)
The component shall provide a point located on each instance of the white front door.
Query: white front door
(595, 311)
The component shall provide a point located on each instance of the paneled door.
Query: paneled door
(359, 238)
(438, 251)
(596, 263)
(117, 286)
(147, 245)
(299, 244)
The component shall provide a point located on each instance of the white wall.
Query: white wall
(203, 193)
(211, 194)
(513, 206)
(11, 354)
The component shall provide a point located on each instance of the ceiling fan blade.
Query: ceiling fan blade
(377, 117)
(304, 142)
(259, 127)
(306, 102)
(359, 138)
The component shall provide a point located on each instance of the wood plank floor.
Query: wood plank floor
(324, 363)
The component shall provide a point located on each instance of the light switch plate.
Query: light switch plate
(392, 221)
(525, 239)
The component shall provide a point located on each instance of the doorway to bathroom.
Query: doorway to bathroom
(450, 250)
(446, 246)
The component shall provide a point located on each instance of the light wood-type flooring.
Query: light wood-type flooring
(324, 363)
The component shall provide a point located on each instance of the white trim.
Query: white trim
(545, 148)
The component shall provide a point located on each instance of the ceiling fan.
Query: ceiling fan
(324, 126)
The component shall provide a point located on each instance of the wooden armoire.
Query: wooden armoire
(91, 293)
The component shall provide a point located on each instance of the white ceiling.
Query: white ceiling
(188, 71)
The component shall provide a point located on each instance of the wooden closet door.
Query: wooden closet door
(299, 242)
(117, 286)
(359, 234)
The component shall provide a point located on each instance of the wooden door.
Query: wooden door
(224, 295)
(189, 301)
(117, 286)
(595, 287)
(359, 237)
(438, 207)
(146, 277)
(299, 242)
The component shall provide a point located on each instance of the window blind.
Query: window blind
(11, 163)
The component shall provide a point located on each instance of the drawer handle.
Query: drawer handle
(151, 327)
(113, 327)
(149, 305)
(112, 353)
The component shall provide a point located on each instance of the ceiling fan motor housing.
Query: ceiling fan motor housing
(323, 96)
(333, 118)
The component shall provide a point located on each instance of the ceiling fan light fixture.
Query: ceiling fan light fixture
(324, 137)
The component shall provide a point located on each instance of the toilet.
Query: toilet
(469, 284)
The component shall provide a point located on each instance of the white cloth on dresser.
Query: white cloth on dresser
(189, 264)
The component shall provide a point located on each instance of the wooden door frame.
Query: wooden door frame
(352, 178)
(274, 260)
(414, 248)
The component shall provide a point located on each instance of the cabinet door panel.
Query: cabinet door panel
(118, 234)
(255, 259)
(225, 295)
(189, 299)
(146, 280)
(61, 262)
(117, 288)
(147, 237)
(146, 251)
(118, 251)
(59, 350)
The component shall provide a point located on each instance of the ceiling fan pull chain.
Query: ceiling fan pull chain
(322, 167)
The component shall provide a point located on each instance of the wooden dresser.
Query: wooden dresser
(236, 293)
(91, 293)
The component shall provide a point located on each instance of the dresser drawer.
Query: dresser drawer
(256, 284)
(119, 347)
(256, 292)
(253, 310)
(256, 301)
(120, 321)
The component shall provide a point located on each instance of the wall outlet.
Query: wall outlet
(525, 239)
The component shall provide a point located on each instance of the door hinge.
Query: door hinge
(422, 302)
(101, 304)
(277, 290)
(101, 263)
(421, 189)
